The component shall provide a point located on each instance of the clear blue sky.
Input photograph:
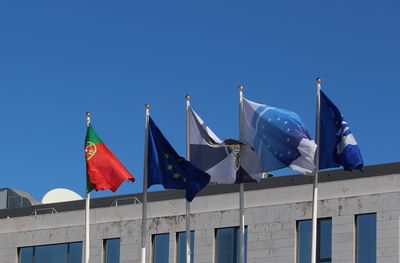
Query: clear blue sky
(59, 59)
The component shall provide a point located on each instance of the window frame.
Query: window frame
(319, 220)
(153, 244)
(236, 237)
(19, 250)
(356, 232)
(178, 248)
(105, 246)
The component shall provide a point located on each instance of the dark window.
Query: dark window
(366, 238)
(324, 241)
(111, 250)
(181, 247)
(227, 245)
(60, 253)
(160, 248)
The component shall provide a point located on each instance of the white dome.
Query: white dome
(60, 195)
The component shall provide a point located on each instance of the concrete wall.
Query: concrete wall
(270, 215)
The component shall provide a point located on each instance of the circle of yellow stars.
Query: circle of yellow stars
(170, 168)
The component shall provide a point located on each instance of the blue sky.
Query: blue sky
(60, 59)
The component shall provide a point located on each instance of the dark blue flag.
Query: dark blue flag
(337, 144)
(166, 167)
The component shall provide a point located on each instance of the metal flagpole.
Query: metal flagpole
(87, 210)
(241, 194)
(315, 185)
(188, 252)
(145, 166)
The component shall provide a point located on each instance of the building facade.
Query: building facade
(359, 221)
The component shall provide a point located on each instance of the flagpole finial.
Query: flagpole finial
(88, 118)
(241, 88)
(187, 97)
(318, 80)
(147, 106)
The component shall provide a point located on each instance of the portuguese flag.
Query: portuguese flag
(104, 171)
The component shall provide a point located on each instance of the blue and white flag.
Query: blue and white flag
(337, 144)
(278, 137)
(226, 161)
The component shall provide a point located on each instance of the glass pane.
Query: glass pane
(366, 238)
(237, 237)
(228, 243)
(26, 255)
(304, 241)
(225, 245)
(325, 239)
(161, 248)
(112, 247)
(14, 200)
(51, 254)
(181, 250)
(75, 252)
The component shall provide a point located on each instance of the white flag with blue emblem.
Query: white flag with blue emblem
(278, 137)
(226, 161)
(337, 144)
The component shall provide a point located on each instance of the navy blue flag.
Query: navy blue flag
(337, 144)
(166, 167)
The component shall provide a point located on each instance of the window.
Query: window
(324, 241)
(60, 253)
(111, 250)
(227, 245)
(366, 238)
(181, 247)
(160, 248)
(26, 255)
(75, 252)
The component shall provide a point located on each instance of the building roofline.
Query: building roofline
(270, 182)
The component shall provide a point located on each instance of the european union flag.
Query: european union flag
(279, 137)
(166, 167)
(337, 144)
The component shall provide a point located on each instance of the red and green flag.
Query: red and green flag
(104, 171)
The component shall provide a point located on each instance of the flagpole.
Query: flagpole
(188, 252)
(145, 171)
(241, 194)
(315, 184)
(87, 209)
